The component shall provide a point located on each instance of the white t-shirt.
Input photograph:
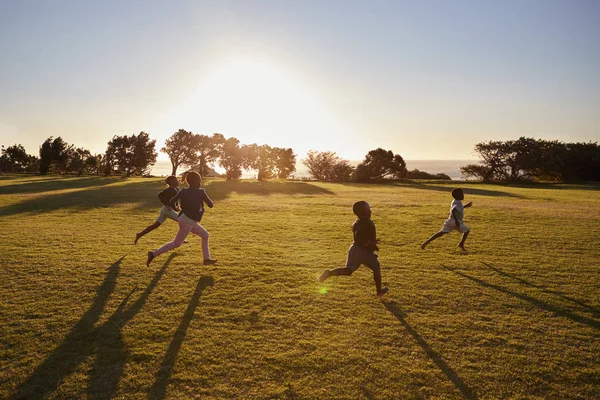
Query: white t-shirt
(457, 205)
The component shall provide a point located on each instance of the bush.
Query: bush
(416, 174)
(327, 166)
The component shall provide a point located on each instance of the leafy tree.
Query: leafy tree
(54, 155)
(78, 159)
(45, 156)
(380, 164)
(259, 158)
(93, 164)
(15, 159)
(535, 159)
(130, 155)
(207, 150)
(181, 149)
(341, 171)
(232, 158)
(327, 166)
(285, 162)
(476, 171)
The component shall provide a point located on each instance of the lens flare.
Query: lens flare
(323, 291)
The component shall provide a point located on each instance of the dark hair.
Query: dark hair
(359, 207)
(193, 179)
(170, 179)
(456, 191)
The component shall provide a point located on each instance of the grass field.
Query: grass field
(82, 317)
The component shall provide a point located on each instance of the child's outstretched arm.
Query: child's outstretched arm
(469, 204)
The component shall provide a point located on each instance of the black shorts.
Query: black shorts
(358, 255)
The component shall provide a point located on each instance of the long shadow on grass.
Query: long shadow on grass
(85, 340)
(536, 302)
(467, 188)
(593, 186)
(467, 392)
(54, 184)
(219, 190)
(143, 194)
(159, 388)
(580, 303)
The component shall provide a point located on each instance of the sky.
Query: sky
(427, 79)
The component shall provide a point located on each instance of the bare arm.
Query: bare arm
(469, 204)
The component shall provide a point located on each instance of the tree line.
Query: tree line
(512, 160)
(535, 160)
(191, 150)
(134, 155)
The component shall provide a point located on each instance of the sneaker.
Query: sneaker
(208, 261)
(324, 275)
(382, 292)
(150, 258)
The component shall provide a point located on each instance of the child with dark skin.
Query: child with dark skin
(454, 221)
(362, 250)
(166, 211)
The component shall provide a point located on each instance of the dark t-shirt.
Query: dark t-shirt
(192, 202)
(167, 195)
(364, 234)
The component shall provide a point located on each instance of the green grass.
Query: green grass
(82, 317)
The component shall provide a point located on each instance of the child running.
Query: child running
(166, 211)
(192, 202)
(362, 250)
(455, 220)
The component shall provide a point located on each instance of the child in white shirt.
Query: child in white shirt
(454, 221)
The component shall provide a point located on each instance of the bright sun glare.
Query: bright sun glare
(257, 101)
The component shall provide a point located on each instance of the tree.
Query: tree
(15, 159)
(181, 149)
(341, 171)
(207, 150)
(231, 158)
(380, 164)
(285, 162)
(259, 158)
(130, 155)
(54, 155)
(93, 164)
(535, 159)
(78, 159)
(478, 171)
(327, 166)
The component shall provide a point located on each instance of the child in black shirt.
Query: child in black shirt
(166, 211)
(362, 250)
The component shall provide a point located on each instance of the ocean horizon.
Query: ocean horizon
(448, 167)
